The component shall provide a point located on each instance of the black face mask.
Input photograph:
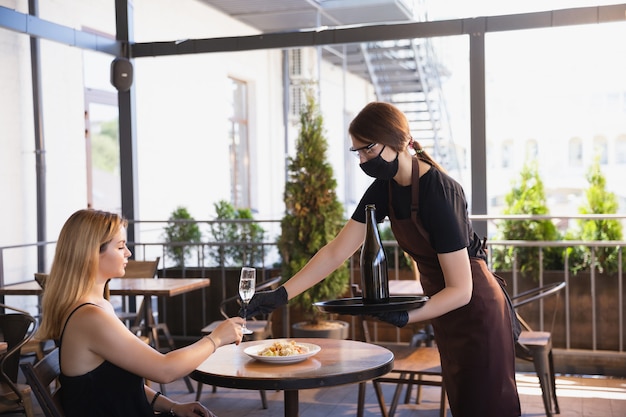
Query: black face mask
(379, 168)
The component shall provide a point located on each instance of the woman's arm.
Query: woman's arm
(170, 407)
(327, 259)
(94, 334)
(457, 275)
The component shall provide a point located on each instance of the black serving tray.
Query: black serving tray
(355, 306)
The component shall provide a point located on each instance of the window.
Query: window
(104, 184)
(295, 63)
(297, 99)
(507, 154)
(531, 149)
(239, 149)
(600, 149)
(620, 150)
(298, 78)
(575, 152)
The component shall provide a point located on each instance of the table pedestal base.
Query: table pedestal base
(291, 403)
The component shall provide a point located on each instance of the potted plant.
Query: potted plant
(247, 236)
(183, 237)
(236, 241)
(527, 197)
(595, 273)
(599, 201)
(313, 216)
(181, 229)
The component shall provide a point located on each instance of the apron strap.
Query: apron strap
(415, 191)
(415, 200)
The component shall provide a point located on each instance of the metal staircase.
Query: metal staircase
(406, 74)
(403, 72)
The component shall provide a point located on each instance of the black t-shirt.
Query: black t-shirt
(442, 210)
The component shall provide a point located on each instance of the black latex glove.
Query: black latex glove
(397, 318)
(265, 302)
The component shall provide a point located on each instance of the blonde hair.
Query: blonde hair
(380, 122)
(76, 261)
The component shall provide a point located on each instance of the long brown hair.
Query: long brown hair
(380, 122)
(76, 261)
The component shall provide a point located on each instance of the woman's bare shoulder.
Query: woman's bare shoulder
(85, 314)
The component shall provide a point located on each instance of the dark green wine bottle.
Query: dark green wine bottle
(374, 280)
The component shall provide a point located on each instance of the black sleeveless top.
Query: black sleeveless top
(106, 391)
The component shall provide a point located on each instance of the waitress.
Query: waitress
(428, 213)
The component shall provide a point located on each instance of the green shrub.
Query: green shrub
(599, 201)
(177, 231)
(527, 197)
(247, 236)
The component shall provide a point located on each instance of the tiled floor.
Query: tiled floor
(578, 397)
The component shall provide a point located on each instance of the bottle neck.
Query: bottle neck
(372, 227)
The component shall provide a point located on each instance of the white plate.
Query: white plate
(253, 351)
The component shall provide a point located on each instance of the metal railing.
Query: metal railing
(591, 274)
(25, 254)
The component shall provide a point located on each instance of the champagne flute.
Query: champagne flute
(247, 282)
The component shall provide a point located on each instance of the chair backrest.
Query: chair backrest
(17, 329)
(41, 279)
(535, 294)
(142, 269)
(43, 380)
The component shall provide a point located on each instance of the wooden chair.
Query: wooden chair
(34, 346)
(17, 329)
(43, 379)
(413, 364)
(144, 269)
(261, 327)
(137, 269)
(536, 346)
(148, 269)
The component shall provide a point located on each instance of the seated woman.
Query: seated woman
(103, 364)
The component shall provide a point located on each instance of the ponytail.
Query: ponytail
(421, 154)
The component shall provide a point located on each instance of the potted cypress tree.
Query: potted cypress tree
(599, 201)
(313, 217)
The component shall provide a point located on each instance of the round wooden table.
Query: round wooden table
(339, 362)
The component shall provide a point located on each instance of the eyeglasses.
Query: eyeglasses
(362, 151)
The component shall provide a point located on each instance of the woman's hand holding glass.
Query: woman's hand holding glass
(229, 331)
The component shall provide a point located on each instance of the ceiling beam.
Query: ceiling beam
(40, 28)
(373, 33)
(44, 29)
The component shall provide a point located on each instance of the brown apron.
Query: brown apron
(475, 341)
